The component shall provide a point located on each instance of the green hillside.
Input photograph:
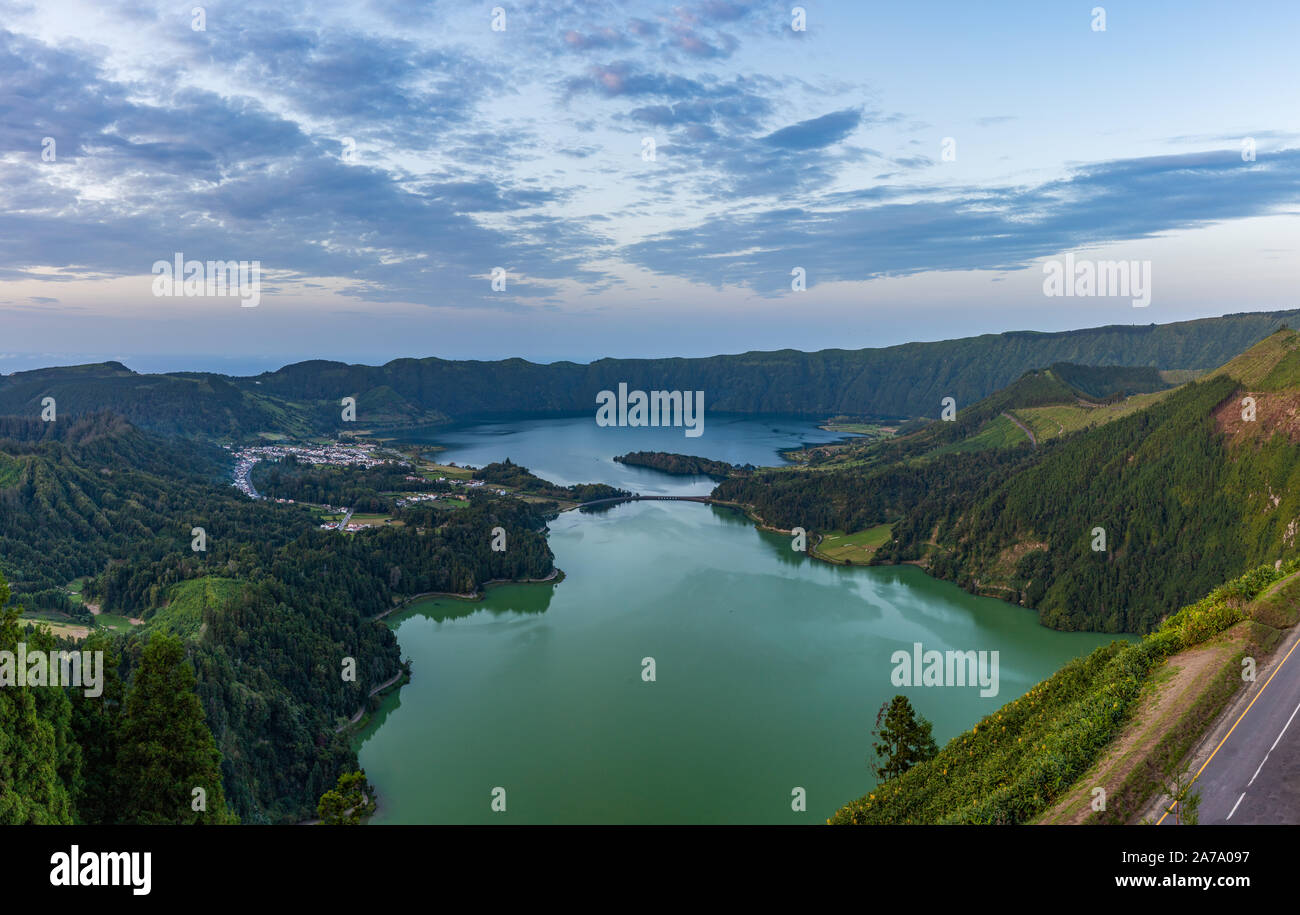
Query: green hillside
(1183, 490)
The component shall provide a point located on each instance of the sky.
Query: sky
(577, 180)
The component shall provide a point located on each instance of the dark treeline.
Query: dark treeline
(906, 380)
(179, 403)
(1108, 382)
(919, 494)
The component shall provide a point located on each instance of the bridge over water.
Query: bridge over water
(637, 497)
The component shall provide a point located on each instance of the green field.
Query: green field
(1000, 432)
(453, 504)
(432, 471)
(113, 621)
(183, 614)
(59, 628)
(859, 547)
(372, 518)
(1062, 419)
(74, 590)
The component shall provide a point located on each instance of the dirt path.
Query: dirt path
(1176, 686)
(361, 711)
(1023, 428)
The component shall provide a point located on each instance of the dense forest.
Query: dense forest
(141, 754)
(909, 380)
(267, 612)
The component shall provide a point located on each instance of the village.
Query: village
(363, 454)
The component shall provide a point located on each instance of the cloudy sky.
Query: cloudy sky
(646, 175)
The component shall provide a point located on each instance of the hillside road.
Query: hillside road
(1248, 765)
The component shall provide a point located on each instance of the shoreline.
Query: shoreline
(557, 575)
(763, 525)
(403, 675)
(358, 723)
(813, 553)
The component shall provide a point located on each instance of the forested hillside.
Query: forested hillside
(1107, 528)
(180, 404)
(267, 613)
(897, 381)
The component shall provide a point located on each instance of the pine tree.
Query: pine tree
(903, 738)
(165, 750)
(96, 721)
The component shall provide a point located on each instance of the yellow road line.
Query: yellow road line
(1231, 729)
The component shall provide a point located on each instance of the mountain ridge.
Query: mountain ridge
(905, 380)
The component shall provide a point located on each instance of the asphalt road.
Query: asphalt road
(1252, 771)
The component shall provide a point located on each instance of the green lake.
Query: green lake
(769, 669)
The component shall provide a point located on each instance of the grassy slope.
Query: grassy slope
(188, 600)
(1180, 702)
(1022, 759)
(838, 546)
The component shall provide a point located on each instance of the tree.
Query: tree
(96, 721)
(348, 802)
(1186, 803)
(903, 739)
(166, 750)
(38, 758)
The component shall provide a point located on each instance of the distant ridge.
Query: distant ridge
(906, 380)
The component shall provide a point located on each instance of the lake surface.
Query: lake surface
(769, 666)
(576, 450)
